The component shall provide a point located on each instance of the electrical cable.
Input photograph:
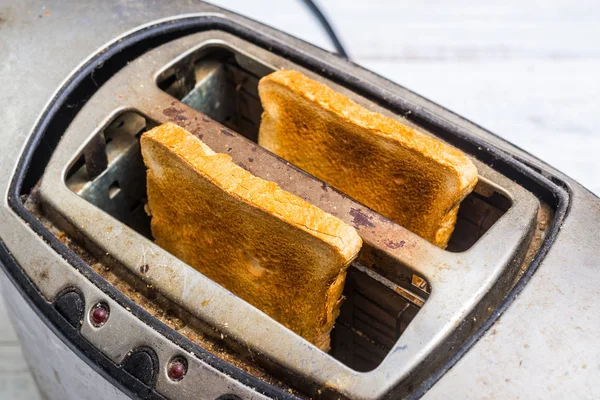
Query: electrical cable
(314, 9)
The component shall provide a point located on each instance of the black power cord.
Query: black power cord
(314, 9)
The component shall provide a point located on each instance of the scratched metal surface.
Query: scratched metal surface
(527, 71)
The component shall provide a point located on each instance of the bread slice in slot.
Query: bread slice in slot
(268, 246)
(405, 175)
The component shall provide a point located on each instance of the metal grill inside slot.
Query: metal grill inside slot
(376, 310)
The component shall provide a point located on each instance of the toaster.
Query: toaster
(509, 308)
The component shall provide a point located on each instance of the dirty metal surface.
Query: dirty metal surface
(558, 359)
(127, 172)
(459, 281)
(155, 303)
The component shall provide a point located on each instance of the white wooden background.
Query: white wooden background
(528, 71)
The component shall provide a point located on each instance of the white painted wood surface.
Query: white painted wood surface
(528, 71)
(15, 380)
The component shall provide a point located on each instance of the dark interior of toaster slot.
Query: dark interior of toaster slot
(376, 310)
(223, 84)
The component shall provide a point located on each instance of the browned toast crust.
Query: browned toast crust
(271, 248)
(413, 179)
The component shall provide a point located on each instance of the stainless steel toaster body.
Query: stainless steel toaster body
(510, 308)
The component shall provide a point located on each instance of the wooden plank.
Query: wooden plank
(8, 336)
(467, 29)
(15, 380)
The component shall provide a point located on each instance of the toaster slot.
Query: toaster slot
(364, 332)
(222, 82)
(119, 189)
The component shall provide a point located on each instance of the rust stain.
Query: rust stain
(360, 219)
(390, 244)
(44, 275)
(175, 114)
(205, 303)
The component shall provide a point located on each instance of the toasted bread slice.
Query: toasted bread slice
(413, 179)
(269, 247)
